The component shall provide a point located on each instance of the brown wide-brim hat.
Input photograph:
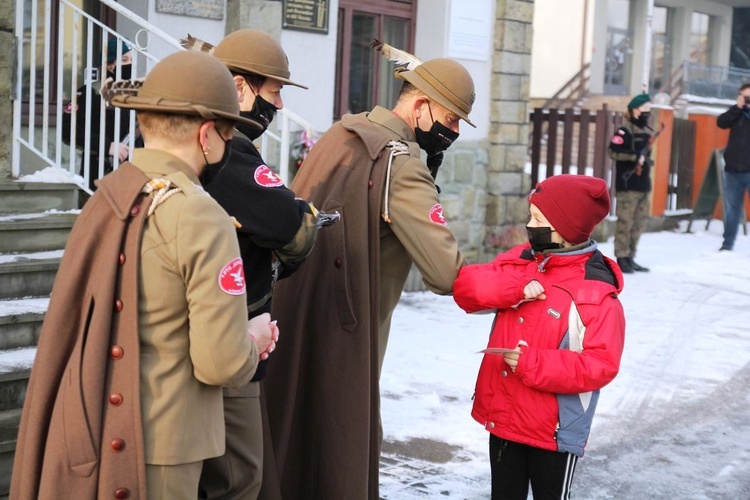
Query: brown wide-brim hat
(188, 83)
(257, 52)
(446, 82)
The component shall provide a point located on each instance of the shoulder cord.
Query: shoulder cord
(161, 189)
(398, 148)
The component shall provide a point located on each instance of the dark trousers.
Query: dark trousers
(735, 185)
(516, 465)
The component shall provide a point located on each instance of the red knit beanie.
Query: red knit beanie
(573, 204)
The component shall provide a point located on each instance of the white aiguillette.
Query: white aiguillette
(496, 350)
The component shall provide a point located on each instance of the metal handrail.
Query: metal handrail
(72, 22)
(581, 78)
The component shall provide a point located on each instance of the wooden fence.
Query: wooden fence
(571, 141)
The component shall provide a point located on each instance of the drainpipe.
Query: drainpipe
(647, 44)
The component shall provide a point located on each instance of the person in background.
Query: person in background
(113, 146)
(557, 339)
(736, 163)
(148, 317)
(322, 392)
(276, 231)
(630, 147)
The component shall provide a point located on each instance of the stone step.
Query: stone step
(9, 423)
(15, 367)
(21, 322)
(33, 278)
(35, 232)
(25, 197)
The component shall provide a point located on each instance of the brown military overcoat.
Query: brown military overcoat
(322, 389)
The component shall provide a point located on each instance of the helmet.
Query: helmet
(187, 83)
(445, 81)
(254, 51)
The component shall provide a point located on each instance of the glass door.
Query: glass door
(364, 78)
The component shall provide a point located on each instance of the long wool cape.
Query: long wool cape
(322, 392)
(77, 438)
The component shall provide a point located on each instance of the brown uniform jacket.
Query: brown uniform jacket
(322, 390)
(192, 333)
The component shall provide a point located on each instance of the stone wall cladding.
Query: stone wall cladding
(7, 58)
(507, 186)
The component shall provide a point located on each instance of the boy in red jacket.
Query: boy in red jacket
(556, 341)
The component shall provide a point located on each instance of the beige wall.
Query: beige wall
(557, 43)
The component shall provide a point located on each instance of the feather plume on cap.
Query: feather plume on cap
(112, 88)
(404, 61)
(193, 43)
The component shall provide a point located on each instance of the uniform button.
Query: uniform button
(118, 305)
(121, 493)
(520, 320)
(117, 444)
(116, 352)
(491, 425)
(134, 210)
(115, 399)
(505, 373)
(122, 259)
(337, 262)
(380, 155)
(369, 184)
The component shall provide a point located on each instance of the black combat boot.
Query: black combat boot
(626, 265)
(637, 267)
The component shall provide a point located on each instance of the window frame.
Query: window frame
(380, 9)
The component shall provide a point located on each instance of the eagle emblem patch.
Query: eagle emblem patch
(232, 278)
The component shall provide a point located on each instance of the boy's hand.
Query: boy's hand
(534, 290)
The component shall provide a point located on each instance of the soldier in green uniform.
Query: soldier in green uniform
(630, 148)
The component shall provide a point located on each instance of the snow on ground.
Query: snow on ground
(52, 175)
(675, 423)
(37, 305)
(25, 257)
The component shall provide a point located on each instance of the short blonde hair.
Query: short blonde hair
(173, 128)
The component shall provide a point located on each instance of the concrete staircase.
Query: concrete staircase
(35, 221)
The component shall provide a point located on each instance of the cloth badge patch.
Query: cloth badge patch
(266, 177)
(618, 140)
(232, 278)
(436, 215)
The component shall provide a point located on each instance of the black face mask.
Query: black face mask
(642, 120)
(437, 140)
(213, 169)
(541, 239)
(262, 112)
(126, 71)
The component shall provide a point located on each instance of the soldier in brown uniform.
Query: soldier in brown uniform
(148, 317)
(322, 390)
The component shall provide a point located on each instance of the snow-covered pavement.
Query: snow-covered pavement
(675, 423)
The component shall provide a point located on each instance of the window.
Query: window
(363, 77)
(661, 49)
(700, 38)
(619, 47)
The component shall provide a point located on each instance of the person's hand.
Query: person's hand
(534, 290)
(511, 358)
(120, 150)
(265, 333)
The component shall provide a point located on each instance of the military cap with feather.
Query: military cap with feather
(185, 83)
